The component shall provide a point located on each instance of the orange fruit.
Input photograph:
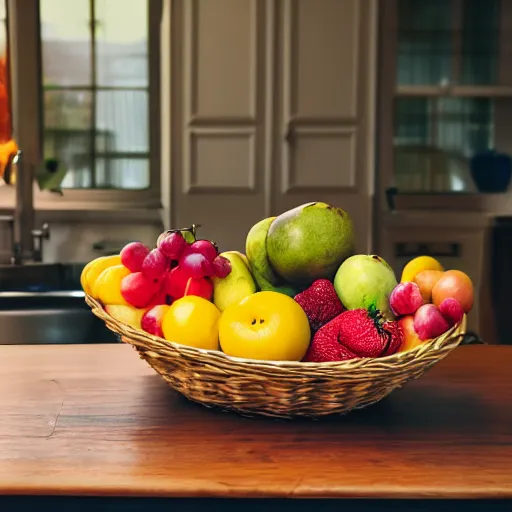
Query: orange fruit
(411, 339)
(456, 285)
(426, 280)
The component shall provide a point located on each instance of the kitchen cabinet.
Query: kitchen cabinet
(271, 106)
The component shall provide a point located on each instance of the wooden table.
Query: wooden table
(82, 420)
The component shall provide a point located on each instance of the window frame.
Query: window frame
(27, 104)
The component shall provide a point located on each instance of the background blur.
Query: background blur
(162, 113)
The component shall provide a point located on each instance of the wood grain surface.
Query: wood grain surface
(96, 420)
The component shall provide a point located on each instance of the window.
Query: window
(451, 89)
(95, 80)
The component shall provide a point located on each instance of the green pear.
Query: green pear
(256, 250)
(363, 281)
(237, 285)
(310, 242)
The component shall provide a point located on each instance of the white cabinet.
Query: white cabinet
(272, 106)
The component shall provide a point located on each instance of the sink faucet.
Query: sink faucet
(26, 241)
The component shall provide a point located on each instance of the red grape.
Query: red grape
(173, 245)
(152, 320)
(160, 296)
(161, 236)
(195, 265)
(139, 290)
(155, 264)
(221, 267)
(133, 255)
(204, 247)
(176, 284)
(187, 235)
(201, 287)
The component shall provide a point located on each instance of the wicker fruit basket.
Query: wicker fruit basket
(280, 389)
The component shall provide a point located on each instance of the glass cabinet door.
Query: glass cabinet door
(451, 78)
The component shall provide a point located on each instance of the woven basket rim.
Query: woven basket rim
(124, 330)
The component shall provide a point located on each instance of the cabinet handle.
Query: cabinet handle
(434, 249)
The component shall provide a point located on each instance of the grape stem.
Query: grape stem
(192, 229)
(187, 288)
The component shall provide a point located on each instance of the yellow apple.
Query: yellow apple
(192, 321)
(126, 314)
(266, 326)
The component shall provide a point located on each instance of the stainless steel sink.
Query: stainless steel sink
(44, 304)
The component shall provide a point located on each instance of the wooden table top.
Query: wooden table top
(96, 420)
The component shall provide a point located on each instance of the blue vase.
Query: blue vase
(491, 171)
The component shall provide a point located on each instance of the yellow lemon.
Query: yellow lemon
(192, 321)
(418, 265)
(107, 288)
(83, 276)
(126, 314)
(266, 326)
(93, 269)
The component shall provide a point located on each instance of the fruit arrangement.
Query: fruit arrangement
(429, 300)
(298, 294)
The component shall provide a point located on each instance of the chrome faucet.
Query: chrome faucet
(26, 242)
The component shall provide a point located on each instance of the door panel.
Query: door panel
(325, 107)
(321, 42)
(320, 149)
(218, 117)
(272, 106)
(222, 53)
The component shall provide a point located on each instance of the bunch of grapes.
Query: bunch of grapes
(178, 266)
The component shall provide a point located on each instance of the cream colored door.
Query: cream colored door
(325, 107)
(271, 106)
(218, 116)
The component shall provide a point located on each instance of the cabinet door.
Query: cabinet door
(324, 143)
(218, 117)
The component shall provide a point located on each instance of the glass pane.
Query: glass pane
(465, 125)
(77, 178)
(122, 120)
(122, 173)
(65, 42)
(122, 42)
(68, 109)
(480, 42)
(67, 134)
(434, 140)
(425, 42)
(412, 121)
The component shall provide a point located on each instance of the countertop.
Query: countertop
(97, 421)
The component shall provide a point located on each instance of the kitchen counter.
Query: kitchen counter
(95, 420)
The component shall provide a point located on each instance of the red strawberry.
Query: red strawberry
(326, 347)
(397, 336)
(365, 334)
(320, 303)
